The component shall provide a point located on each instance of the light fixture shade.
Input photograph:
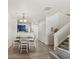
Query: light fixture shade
(25, 20)
(21, 20)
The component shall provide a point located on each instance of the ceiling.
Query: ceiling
(36, 9)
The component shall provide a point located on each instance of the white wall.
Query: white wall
(42, 31)
(57, 20)
(63, 19)
(11, 30)
(35, 30)
(52, 21)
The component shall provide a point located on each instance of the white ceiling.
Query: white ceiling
(36, 9)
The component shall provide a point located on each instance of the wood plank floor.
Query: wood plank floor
(40, 52)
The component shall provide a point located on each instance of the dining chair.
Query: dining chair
(24, 44)
(31, 41)
(16, 43)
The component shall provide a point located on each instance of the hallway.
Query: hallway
(40, 52)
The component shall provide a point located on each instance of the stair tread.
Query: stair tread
(66, 43)
(67, 39)
(64, 46)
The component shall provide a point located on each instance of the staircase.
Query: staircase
(65, 44)
(61, 44)
(62, 51)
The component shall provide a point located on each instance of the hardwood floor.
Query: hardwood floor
(40, 52)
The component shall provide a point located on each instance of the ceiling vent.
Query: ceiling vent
(47, 8)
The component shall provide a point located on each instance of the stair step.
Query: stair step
(62, 53)
(67, 39)
(64, 47)
(66, 43)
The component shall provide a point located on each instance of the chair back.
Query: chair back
(24, 40)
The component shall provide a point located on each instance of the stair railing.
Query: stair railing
(61, 35)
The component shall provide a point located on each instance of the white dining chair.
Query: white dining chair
(32, 41)
(16, 43)
(24, 44)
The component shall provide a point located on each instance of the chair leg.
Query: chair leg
(20, 51)
(27, 50)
